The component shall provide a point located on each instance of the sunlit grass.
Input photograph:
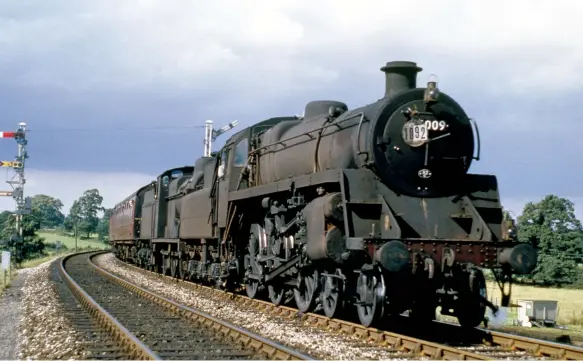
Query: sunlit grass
(69, 242)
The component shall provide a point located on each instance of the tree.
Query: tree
(4, 217)
(103, 227)
(48, 210)
(31, 245)
(74, 219)
(83, 217)
(90, 204)
(551, 226)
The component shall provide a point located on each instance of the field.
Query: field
(69, 242)
(570, 312)
(570, 301)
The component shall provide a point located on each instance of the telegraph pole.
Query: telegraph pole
(210, 135)
(23, 204)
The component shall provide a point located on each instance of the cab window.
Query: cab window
(241, 150)
(223, 164)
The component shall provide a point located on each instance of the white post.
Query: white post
(208, 138)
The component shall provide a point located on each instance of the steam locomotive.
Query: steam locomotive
(369, 211)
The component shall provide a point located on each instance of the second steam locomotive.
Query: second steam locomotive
(368, 210)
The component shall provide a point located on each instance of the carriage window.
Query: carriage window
(241, 150)
(165, 181)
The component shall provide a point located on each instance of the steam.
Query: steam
(499, 319)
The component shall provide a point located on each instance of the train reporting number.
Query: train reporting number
(435, 125)
(415, 134)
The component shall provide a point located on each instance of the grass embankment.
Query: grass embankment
(50, 253)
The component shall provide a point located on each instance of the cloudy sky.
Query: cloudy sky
(114, 92)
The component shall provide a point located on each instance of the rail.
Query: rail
(131, 344)
(248, 338)
(505, 342)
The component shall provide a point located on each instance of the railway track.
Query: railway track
(139, 324)
(97, 342)
(436, 341)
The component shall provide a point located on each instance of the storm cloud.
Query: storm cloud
(116, 92)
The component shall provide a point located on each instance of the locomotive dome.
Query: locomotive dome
(422, 140)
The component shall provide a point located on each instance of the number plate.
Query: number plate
(415, 135)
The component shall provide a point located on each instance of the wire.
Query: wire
(114, 129)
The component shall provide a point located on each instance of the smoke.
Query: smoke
(499, 319)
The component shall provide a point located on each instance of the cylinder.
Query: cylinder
(521, 258)
(400, 76)
(329, 246)
(393, 256)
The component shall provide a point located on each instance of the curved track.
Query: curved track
(98, 339)
(147, 326)
(437, 340)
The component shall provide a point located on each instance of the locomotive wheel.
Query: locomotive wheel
(251, 285)
(165, 266)
(250, 262)
(425, 302)
(470, 311)
(423, 311)
(276, 293)
(305, 291)
(276, 289)
(174, 264)
(370, 289)
(182, 269)
(333, 296)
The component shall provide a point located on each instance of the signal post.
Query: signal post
(23, 204)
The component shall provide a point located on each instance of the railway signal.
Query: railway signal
(10, 164)
(7, 134)
(23, 204)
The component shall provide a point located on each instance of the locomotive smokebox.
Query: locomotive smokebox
(400, 76)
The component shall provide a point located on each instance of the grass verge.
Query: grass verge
(50, 253)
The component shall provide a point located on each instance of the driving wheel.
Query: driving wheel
(275, 288)
(333, 295)
(251, 285)
(305, 291)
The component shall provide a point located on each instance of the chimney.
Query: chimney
(400, 76)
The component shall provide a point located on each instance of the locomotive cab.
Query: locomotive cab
(233, 169)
